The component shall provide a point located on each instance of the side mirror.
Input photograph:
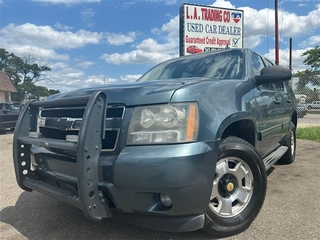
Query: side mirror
(273, 74)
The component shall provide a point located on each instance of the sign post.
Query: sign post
(207, 28)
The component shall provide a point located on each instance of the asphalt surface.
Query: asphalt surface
(291, 209)
(309, 120)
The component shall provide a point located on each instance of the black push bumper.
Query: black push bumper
(87, 150)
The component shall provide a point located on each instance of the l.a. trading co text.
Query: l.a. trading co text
(222, 16)
(208, 14)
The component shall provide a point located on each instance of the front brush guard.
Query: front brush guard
(88, 147)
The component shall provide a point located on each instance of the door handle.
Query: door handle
(277, 100)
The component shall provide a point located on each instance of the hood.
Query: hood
(136, 93)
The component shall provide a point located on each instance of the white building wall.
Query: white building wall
(2, 96)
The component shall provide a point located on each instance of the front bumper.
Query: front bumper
(128, 185)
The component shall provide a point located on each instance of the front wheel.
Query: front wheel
(238, 189)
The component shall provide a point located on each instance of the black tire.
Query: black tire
(290, 142)
(237, 160)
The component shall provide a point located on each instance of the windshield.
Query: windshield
(221, 65)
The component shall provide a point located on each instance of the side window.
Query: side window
(257, 65)
(268, 63)
(279, 86)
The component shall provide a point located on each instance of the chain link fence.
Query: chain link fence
(307, 93)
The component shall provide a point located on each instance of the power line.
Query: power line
(268, 29)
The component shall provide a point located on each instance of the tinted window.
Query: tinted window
(268, 63)
(257, 66)
(221, 65)
(279, 86)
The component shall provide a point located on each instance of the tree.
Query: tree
(312, 74)
(53, 91)
(12, 65)
(24, 73)
(28, 90)
(28, 68)
(307, 77)
(34, 69)
(313, 58)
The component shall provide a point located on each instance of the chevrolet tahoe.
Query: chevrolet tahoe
(185, 147)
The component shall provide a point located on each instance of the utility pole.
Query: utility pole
(290, 54)
(276, 31)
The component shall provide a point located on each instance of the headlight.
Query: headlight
(168, 123)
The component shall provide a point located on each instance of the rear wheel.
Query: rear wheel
(238, 189)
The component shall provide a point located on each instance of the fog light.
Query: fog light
(165, 200)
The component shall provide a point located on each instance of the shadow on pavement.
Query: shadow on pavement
(6, 131)
(37, 216)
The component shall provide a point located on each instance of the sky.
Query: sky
(89, 43)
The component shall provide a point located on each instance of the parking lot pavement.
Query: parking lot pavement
(291, 209)
(309, 120)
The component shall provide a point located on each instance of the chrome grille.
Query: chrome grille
(57, 123)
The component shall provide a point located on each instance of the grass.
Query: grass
(313, 112)
(309, 133)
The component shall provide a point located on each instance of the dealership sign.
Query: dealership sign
(206, 28)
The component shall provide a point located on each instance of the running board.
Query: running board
(274, 157)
